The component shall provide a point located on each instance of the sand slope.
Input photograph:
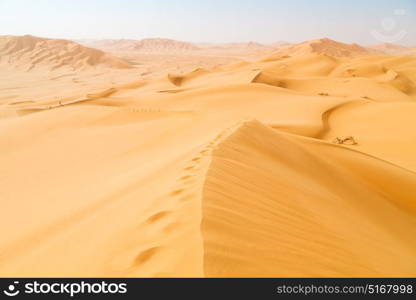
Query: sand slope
(325, 46)
(279, 198)
(149, 45)
(391, 49)
(29, 52)
(228, 171)
(164, 45)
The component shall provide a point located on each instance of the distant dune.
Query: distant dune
(110, 44)
(325, 46)
(300, 164)
(240, 46)
(169, 46)
(411, 52)
(281, 48)
(30, 52)
(164, 45)
(394, 49)
(280, 44)
(391, 49)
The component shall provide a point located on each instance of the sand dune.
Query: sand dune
(29, 52)
(30, 66)
(325, 46)
(236, 170)
(161, 46)
(280, 44)
(281, 48)
(411, 52)
(391, 49)
(171, 46)
(241, 46)
(298, 215)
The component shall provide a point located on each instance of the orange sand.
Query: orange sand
(223, 171)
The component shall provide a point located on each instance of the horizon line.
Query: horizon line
(206, 42)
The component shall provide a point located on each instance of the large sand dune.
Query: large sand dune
(299, 165)
(29, 52)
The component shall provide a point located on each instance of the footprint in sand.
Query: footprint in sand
(158, 216)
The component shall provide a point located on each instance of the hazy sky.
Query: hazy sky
(361, 21)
